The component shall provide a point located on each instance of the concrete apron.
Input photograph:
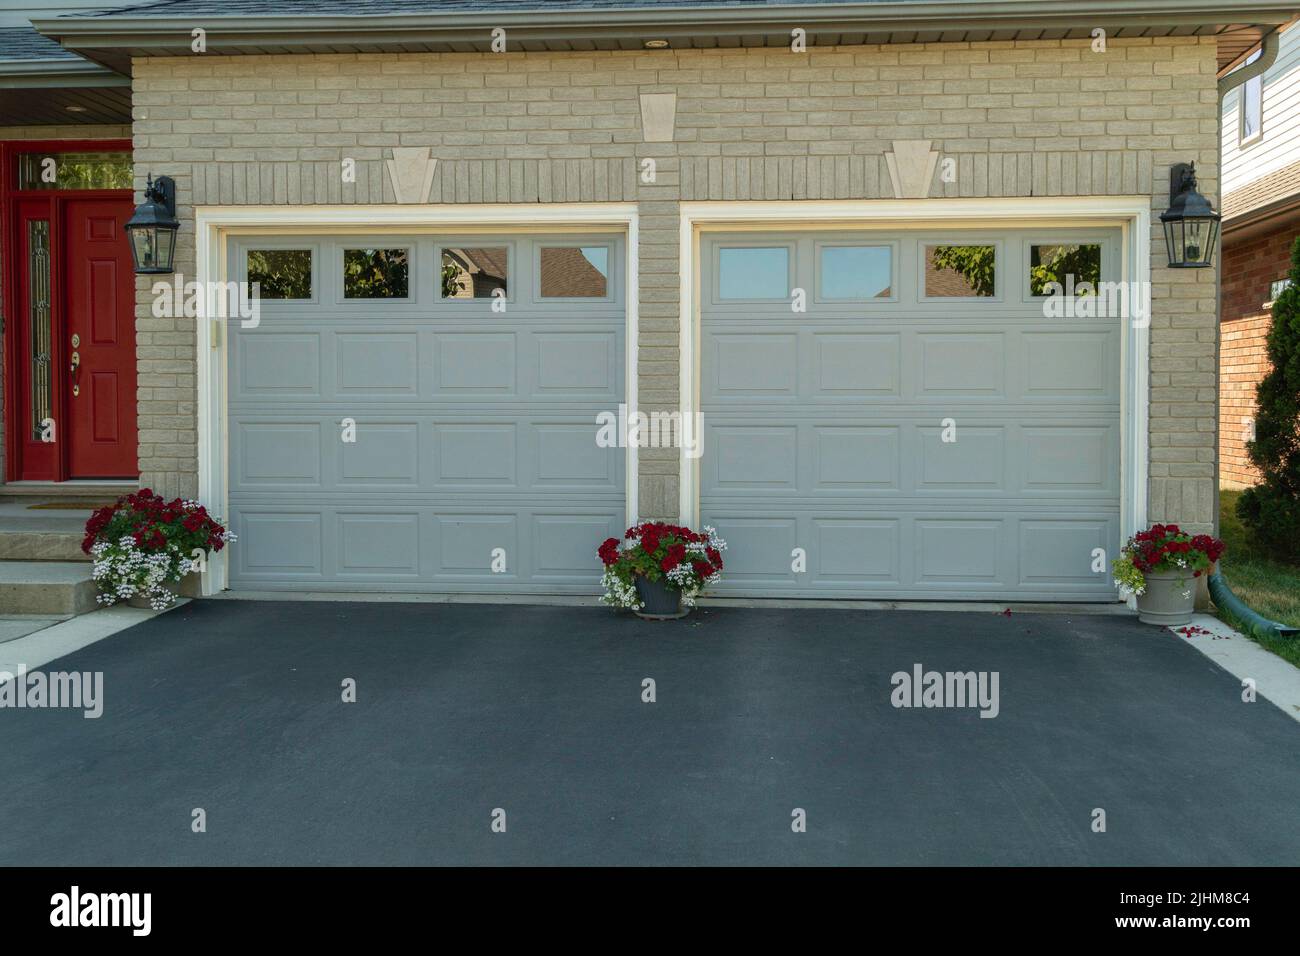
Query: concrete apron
(571, 600)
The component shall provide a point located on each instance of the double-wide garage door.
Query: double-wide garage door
(418, 413)
(907, 415)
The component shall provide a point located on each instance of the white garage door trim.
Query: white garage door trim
(1132, 214)
(214, 225)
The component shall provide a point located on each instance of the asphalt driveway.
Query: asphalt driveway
(235, 707)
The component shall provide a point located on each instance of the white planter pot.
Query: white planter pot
(1168, 599)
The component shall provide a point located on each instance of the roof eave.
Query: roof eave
(685, 21)
(114, 40)
(1283, 206)
(57, 72)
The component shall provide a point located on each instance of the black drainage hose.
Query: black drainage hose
(1256, 624)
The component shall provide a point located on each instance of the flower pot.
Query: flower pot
(659, 601)
(1168, 598)
(173, 588)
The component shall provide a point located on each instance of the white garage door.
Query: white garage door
(921, 429)
(418, 414)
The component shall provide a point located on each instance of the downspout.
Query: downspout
(1267, 56)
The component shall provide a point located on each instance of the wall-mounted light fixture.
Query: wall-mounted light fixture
(1191, 224)
(152, 228)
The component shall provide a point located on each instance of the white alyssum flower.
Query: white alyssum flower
(123, 571)
(618, 594)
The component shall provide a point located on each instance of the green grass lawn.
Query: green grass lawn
(1269, 587)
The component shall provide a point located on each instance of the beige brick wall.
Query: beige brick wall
(1044, 118)
(10, 134)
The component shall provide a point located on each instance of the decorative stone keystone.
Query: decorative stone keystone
(658, 112)
(911, 168)
(411, 170)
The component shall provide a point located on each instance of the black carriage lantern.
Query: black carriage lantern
(152, 228)
(1191, 224)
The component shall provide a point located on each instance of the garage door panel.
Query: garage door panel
(376, 364)
(1071, 458)
(382, 545)
(850, 458)
(475, 453)
(755, 457)
(277, 453)
(586, 365)
(467, 543)
(383, 455)
(854, 550)
(843, 454)
(476, 363)
(747, 365)
(474, 430)
(1060, 552)
(758, 549)
(856, 365)
(1071, 365)
(951, 365)
(285, 545)
(561, 544)
(975, 461)
(567, 457)
(958, 551)
(279, 364)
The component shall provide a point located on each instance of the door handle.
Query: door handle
(75, 369)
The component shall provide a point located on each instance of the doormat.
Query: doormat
(67, 506)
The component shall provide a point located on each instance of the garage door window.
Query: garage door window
(960, 272)
(376, 273)
(1069, 265)
(282, 273)
(575, 272)
(754, 273)
(856, 272)
(475, 273)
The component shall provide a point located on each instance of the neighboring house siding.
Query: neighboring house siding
(1249, 268)
(1258, 175)
(1279, 146)
(1043, 118)
(10, 133)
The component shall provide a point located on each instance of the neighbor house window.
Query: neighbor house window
(960, 272)
(575, 272)
(1252, 104)
(475, 273)
(374, 274)
(1070, 266)
(282, 273)
(75, 171)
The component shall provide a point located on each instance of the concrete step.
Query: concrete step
(38, 534)
(90, 492)
(41, 546)
(55, 588)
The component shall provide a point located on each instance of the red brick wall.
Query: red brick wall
(1248, 270)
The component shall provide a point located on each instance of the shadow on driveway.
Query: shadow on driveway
(235, 707)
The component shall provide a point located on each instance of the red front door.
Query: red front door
(99, 339)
